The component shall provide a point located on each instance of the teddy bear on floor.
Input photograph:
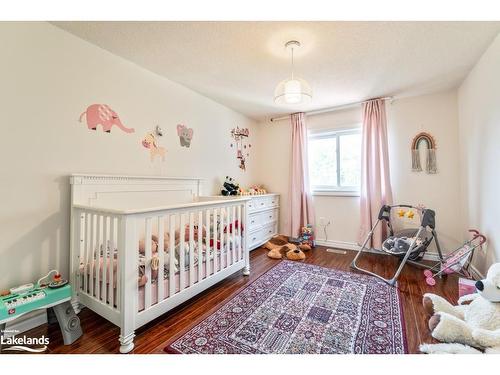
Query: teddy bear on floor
(279, 247)
(465, 327)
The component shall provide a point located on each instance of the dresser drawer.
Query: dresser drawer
(268, 216)
(254, 221)
(268, 231)
(273, 201)
(261, 203)
(255, 238)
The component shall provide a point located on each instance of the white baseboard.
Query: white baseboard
(338, 244)
(26, 323)
(343, 245)
(432, 256)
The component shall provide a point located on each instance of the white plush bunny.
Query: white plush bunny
(465, 327)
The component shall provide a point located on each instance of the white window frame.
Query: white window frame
(330, 133)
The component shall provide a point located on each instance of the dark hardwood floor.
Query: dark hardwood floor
(100, 336)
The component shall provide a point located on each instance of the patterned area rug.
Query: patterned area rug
(299, 308)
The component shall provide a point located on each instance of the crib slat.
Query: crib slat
(228, 232)
(98, 258)
(233, 247)
(200, 245)
(240, 234)
(78, 253)
(161, 258)
(86, 259)
(191, 248)
(104, 288)
(222, 238)
(92, 254)
(216, 250)
(208, 249)
(171, 255)
(112, 242)
(119, 260)
(182, 261)
(147, 264)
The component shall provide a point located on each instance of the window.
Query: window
(335, 160)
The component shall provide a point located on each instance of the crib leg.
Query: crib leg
(246, 271)
(126, 342)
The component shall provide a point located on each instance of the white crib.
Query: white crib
(110, 214)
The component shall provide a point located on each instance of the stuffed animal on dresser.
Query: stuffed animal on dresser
(230, 187)
(467, 328)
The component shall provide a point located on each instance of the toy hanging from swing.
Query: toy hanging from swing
(430, 166)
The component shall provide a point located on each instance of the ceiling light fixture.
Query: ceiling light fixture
(293, 90)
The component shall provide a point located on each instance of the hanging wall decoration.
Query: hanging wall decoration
(150, 142)
(240, 137)
(102, 114)
(185, 135)
(430, 166)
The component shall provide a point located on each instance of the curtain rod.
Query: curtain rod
(330, 109)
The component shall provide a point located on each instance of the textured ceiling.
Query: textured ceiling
(239, 64)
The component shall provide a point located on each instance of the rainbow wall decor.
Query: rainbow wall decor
(430, 165)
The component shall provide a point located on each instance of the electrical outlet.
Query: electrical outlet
(323, 221)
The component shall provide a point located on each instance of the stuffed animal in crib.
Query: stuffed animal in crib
(154, 245)
(466, 327)
(279, 247)
(195, 233)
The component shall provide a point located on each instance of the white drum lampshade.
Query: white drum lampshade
(292, 91)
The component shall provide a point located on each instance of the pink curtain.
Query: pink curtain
(375, 178)
(300, 210)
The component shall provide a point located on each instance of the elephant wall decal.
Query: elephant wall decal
(102, 114)
(185, 135)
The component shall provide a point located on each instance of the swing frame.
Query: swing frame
(428, 220)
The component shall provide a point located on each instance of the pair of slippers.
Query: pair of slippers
(280, 248)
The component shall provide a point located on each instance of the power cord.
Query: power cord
(324, 229)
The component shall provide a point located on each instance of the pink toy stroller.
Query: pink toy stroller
(457, 261)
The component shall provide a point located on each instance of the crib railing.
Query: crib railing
(202, 240)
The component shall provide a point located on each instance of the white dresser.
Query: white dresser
(263, 218)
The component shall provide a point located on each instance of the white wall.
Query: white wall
(436, 113)
(479, 131)
(48, 77)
